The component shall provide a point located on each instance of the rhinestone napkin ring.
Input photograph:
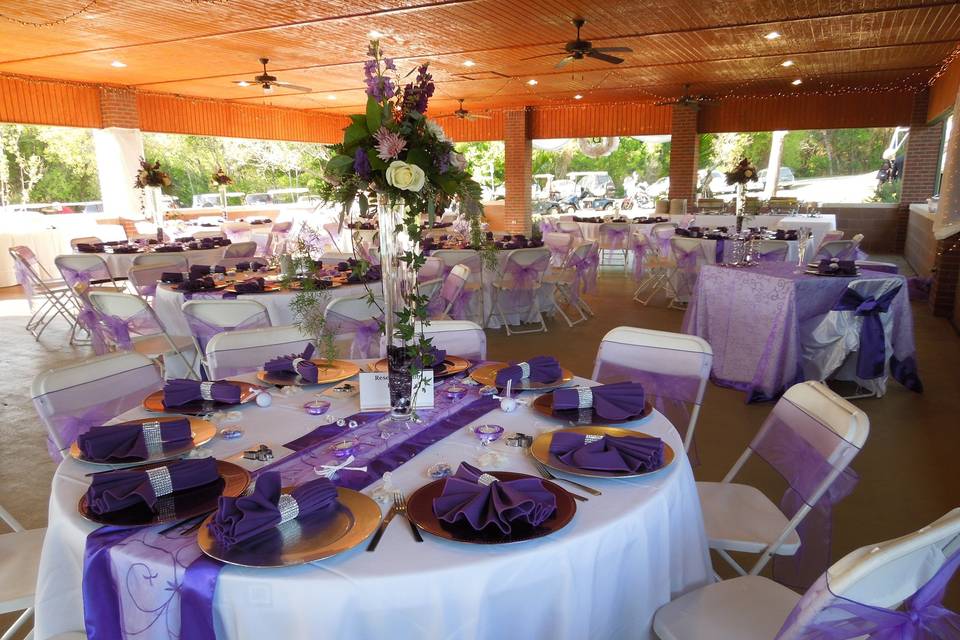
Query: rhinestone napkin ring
(289, 509)
(160, 481)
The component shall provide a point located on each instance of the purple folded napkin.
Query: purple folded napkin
(197, 284)
(833, 266)
(125, 249)
(171, 276)
(617, 401)
(295, 364)
(251, 285)
(124, 488)
(239, 519)
(169, 248)
(435, 357)
(242, 266)
(178, 392)
(219, 269)
(480, 500)
(135, 441)
(537, 369)
(184, 239)
(197, 270)
(606, 453)
(84, 247)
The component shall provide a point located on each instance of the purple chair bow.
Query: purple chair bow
(479, 500)
(126, 442)
(640, 249)
(119, 331)
(872, 353)
(525, 277)
(204, 331)
(584, 274)
(365, 332)
(618, 401)
(116, 490)
(299, 364)
(630, 454)
(179, 392)
(243, 518)
(538, 369)
(616, 236)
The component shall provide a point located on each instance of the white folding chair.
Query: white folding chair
(144, 277)
(47, 296)
(831, 344)
(683, 267)
(199, 235)
(146, 333)
(72, 398)
(468, 257)
(451, 291)
(672, 367)
(530, 265)
(571, 227)
(836, 249)
(432, 269)
(83, 273)
(237, 231)
(882, 576)
(568, 281)
(659, 263)
(240, 250)
(175, 261)
(207, 318)
(355, 323)
(560, 245)
(614, 239)
(457, 337)
(773, 250)
(233, 353)
(84, 240)
(740, 518)
(19, 565)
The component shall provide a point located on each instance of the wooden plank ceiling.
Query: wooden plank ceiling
(197, 48)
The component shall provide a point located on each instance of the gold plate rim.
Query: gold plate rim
(540, 450)
(351, 368)
(487, 375)
(544, 405)
(246, 395)
(203, 432)
(459, 366)
(366, 518)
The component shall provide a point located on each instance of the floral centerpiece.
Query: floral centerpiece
(740, 175)
(150, 179)
(394, 153)
(222, 180)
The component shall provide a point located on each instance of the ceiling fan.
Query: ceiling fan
(268, 82)
(463, 114)
(686, 99)
(579, 49)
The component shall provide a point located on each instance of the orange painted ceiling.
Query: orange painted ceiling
(197, 47)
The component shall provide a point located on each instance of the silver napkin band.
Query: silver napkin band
(584, 397)
(152, 436)
(160, 481)
(486, 479)
(524, 370)
(592, 437)
(296, 363)
(289, 509)
(206, 390)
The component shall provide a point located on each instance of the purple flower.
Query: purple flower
(389, 144)
(380, 87)
(361, 164)
(417, 93)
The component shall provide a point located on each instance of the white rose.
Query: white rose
(408, 177)
(458, 161)
(748, 173)
(436, 130)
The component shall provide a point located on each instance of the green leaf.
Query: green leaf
(339, 165)
(353, 135)
(374, 115)
(375, 162)
(364, 203)
(359, 118)
(449, 185)
(431, 212)
(419, 157)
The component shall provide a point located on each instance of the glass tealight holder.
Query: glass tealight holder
(317, 407)
(344, 448)
(456, 391)
(487, 433)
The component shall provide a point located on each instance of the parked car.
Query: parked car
(258, 198)
(787, 179)
(659, 188)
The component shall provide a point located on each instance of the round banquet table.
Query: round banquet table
(120, 263)
(623, 555)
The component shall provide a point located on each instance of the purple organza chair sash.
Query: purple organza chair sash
(584, 274)
(558, 250)
(805, 467)
(871, 354)
(777, 254)
(459, 300)
(921, 617)
(203, 330)
(80, 279)
(615, 237)
(547, 226)
(22, 273)
(118, 331)
(662, 239)
(526, 277)
(365, 332)
(474, 263)
(687, 258)
(640, 249)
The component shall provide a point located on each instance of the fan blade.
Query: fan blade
(469, 116)
(546, 55)
(564, 62)
(593, 53)
(481, 117)
(295, 87)
(613, 49)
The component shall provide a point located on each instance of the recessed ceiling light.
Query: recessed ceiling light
(331, 97)
(578, 97)
(374, 35)
(532, 82)
(773, 35)
(469, 63)
(786, 63)
(796, 82)
(243, 83)
(118, 64)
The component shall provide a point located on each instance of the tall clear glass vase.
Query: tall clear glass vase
(740, 204)
(399, 283)
(153, 208)
(223, 198)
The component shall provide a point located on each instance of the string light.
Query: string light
(49, 23)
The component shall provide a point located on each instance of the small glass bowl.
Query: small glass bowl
(487, 433)
(344, 448)
(317, 407)
(456, 391)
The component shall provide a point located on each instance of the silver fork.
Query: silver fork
(546, 473)
(401, 501)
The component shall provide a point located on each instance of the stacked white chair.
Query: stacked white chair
(19, 564)
(233, 353)
(531, 264)
(48, 297)
(882, 579)
(672, 367)
(206, 318)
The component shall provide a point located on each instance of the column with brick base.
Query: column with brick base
(119, 147)
(921, 164)
(684, 153)
(518, 153)
(946, 229)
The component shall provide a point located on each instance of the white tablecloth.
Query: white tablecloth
(47, 244)
(120, 263)
(625, 554)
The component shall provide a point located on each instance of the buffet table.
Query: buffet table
(623, 555)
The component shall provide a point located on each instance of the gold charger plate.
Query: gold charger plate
(154, 401)
(487, 375)
(267, 288)
(203, 432)
(303, 539)
(540, 449)
(452, 365)
(328, 371)
(583, 417)
(178, 506)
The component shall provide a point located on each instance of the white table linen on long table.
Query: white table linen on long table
(47, 244)
(120, 263)
(625, 554)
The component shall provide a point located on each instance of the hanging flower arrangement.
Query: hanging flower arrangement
(742, 173)
(220, 178)
(150, 175)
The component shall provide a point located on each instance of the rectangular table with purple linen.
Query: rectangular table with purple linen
(754, 320)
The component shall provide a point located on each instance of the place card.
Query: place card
(375, 390)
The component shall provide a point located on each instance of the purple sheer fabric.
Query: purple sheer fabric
(688, 265)
(811, 458)
(559, 247)
(777, 254)
(74, 410)
(640, 248)
(453, 292)
(871, 354)
(824, 615)
(614, 237)
(617, 401)
(22, 265)
(662, 238)
(118, 332)
(629, 454)
(526, 277)
(365, 332)
(584, 273)
(203, 330)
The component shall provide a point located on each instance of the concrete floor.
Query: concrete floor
(908, 468)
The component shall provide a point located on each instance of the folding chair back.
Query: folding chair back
(452, 257)
(207, 318)
(452, 292)
(570, 226)
(233, 353)
(660, 235)
(144, 277)
(559, 245)
(241, 250)
(432, 269)
(237, 231)
(614, 236)
(459, 338)
(356, 324)
(84, 240)
(80, 270)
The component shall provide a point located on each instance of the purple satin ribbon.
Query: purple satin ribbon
(872, 353)
(22, 274)
(721, 247)
(921, 617)
(365, 332)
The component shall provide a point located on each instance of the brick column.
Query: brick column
(119, 146)
(518, 153)
(921, 164)
(118, 108)
(684, 153)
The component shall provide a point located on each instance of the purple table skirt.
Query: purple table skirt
(752, 319)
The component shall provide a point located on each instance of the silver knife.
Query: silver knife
(383, 526)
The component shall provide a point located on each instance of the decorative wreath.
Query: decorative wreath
(598, 147)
